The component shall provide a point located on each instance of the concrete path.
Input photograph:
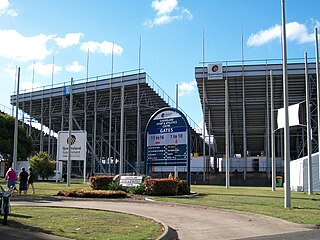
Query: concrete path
(192, 222)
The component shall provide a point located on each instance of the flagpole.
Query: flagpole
(14, 88)
(110, 115)
(85, 117)
(204, 112)
(139, 113)
(70, 136)
(15, 143)
(318, 88)
(31, 93)
(309, 131)
(244, 113)
(273, 146)
(287, 194)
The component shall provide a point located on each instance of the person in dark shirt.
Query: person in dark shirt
(31, 179)
(23, 178)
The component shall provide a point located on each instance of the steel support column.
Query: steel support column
(93, 162)
(41, 122)
(309, 131)
(226, 102)
(121, 131)
(273, 146)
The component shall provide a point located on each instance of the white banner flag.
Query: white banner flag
(293, 116)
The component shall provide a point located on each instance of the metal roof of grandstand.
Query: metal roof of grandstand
(50, 104)
(257, 94)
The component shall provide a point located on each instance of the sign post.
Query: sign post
(168, 140)
(78, 147)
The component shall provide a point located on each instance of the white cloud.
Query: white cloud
(4, 4)
(75, 67)
(298, 32)
(104, 47)
(167, 11)
(294, 31)
(69, 40)
(10, 71)
(4, 9)
(44, 69)
(264, 36)
(12, 13)
(187, 88)
(164, 7)
(15, 46)
(161, 20)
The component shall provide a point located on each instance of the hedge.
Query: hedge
(100, 182)
(183, 187)
(93, 193)
(161, 187)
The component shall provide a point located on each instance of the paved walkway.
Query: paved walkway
(192, 222)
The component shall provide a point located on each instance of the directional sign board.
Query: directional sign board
(167, 139)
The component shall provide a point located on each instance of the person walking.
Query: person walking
(23, 178)
(31, 179)
(11, 178)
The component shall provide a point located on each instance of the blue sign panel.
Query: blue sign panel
(167, 139)
(66, 90)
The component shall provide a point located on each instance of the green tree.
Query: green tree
(25, 145)
(43, 165)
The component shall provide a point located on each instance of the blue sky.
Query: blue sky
(36, 31)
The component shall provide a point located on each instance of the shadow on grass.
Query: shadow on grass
(19, 215)
(305, 208)
(36, 198)
(14, 224)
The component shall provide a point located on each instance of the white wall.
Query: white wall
(196, 165)
(299, 174)
(239, 164)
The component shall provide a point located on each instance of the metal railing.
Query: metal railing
(259, 61)
(156, 87)
(78, 81)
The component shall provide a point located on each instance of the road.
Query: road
(193, 222)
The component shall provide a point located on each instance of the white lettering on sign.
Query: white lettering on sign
(130, 181)
(166, 130)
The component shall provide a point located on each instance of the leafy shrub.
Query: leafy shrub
(140, 189)
(92, 193)
(100, 182)
(183, 187)
(161, 187)
(115, 186)
(43, 165)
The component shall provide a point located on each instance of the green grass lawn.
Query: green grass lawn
(75, 223)
(305, 209)
(83, 224)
